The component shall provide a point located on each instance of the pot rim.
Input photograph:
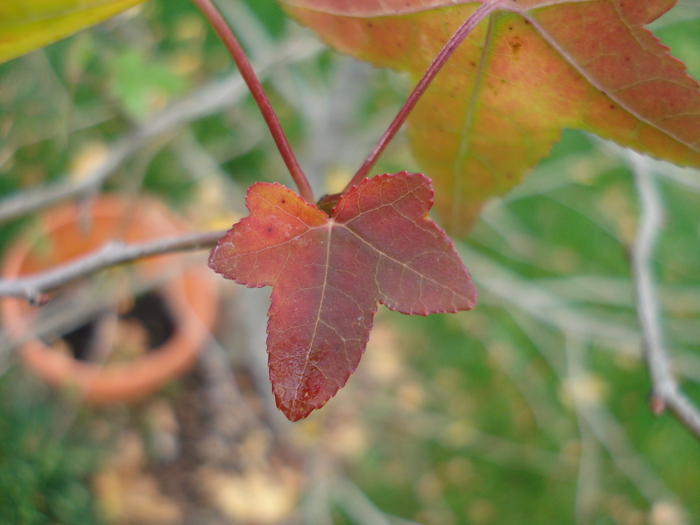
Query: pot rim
(191, 296)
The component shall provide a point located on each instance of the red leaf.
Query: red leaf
(327, 274)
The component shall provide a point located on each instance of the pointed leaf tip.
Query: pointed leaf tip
(329, 273)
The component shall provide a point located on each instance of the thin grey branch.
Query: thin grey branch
(359, 507)
(208, 99)
(116, 252)
(666, 393)
(609, 432)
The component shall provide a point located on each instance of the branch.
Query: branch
(206, 100)
(35, 286)
(608, 430)
(666, 393)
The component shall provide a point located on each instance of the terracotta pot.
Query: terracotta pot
(190, 296)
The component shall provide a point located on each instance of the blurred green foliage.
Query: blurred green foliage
(136, 82)
(44, 466)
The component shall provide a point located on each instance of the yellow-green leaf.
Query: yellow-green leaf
(530, 70)
(26, 25)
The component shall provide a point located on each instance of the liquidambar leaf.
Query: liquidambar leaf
(529, 70)
(329, 273)
(29, 24)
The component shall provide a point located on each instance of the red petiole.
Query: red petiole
(212, 14)
(231, 42)
(430, 73)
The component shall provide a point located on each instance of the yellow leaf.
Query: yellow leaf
(26, 25)
(528, 71)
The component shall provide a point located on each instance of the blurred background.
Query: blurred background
(531, 409)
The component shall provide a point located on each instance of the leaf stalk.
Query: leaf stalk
(212, 14)
(436, 65)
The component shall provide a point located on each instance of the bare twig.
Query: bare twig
(71, 310)
(112, 253)
(530, 385)
(501, 285)
(357, 504)
(207, 100)
(666, 393)
(595, 416)
(508, 288)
